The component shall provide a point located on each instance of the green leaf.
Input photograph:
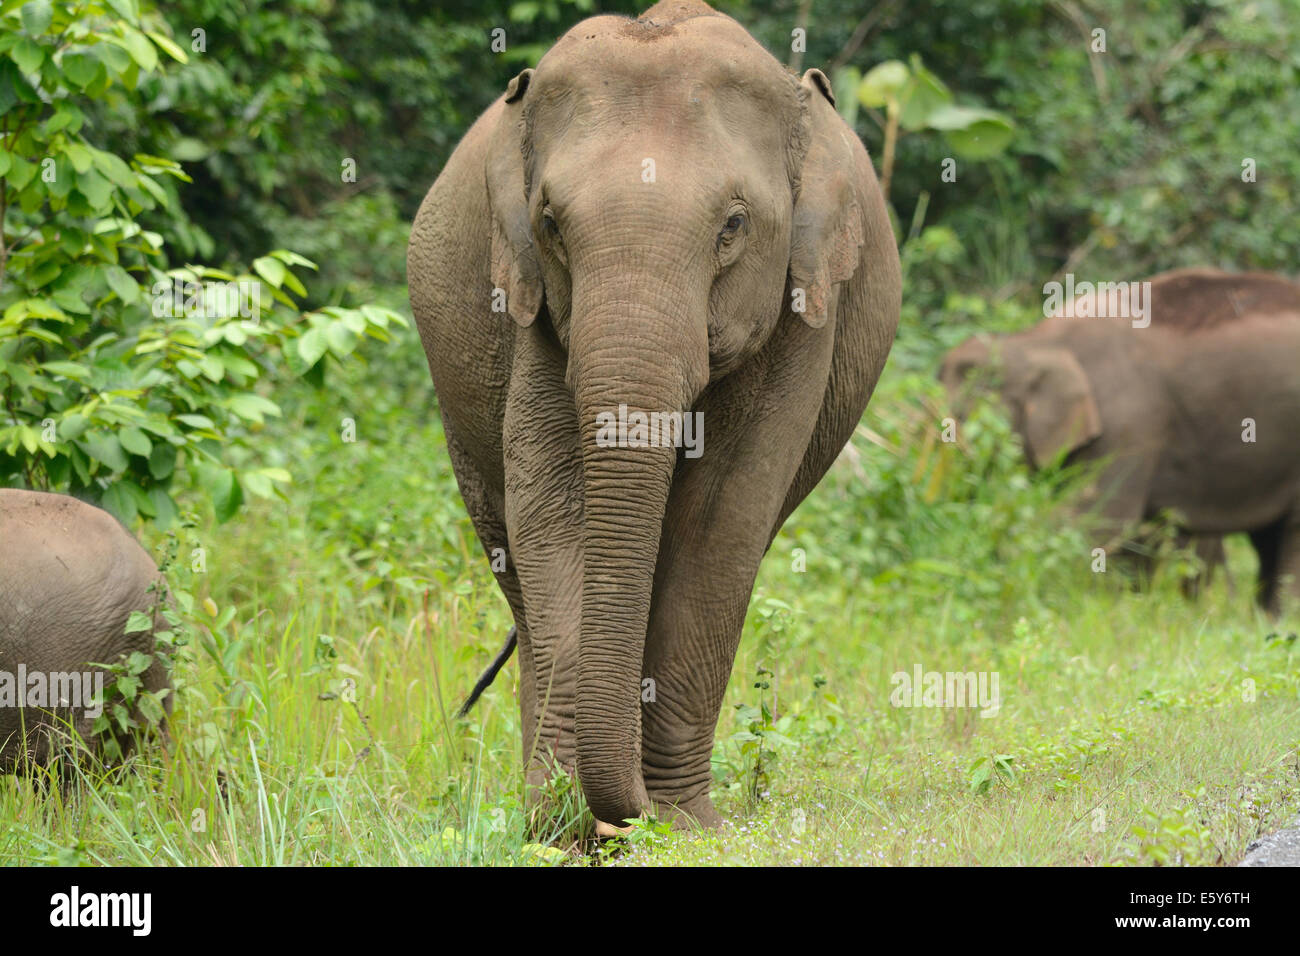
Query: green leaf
(169, 47)
(341, 339)
(138, 622)
(97, 190)
(135, 441)
(922, 95)
(223, 488)
(141, 50)
(81, 68)
(883, 83)
(120, 502)
(105, 448)
(973, 132)
(20, 173)
(126, 9)
(36, 16)
(201, 422)
(72, 427)
(114, 169)
(251, 407)
(123, 286)
(73, 370)
(311, 346)
(272, 270)
(162, 460)
(28, 54)
(165, 510)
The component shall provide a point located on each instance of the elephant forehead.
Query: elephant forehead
(613, 57)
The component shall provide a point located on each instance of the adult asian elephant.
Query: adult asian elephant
(658, 219)
(70, 576)
(1195, 404)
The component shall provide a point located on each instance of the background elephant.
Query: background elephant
(671, 222)
(1197, 412)
(70, 576)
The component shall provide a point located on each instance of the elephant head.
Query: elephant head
(1043, 387)
(660, 201)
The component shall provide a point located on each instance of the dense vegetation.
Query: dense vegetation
(337, 611)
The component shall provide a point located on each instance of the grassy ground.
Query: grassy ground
(335, 633)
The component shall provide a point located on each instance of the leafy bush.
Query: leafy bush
(119, 371)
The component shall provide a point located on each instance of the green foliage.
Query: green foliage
(119, 372)
(984, 770)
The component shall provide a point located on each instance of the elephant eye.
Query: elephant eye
(732, 228)
(549, 226)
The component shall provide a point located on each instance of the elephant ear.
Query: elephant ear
(828, 228)
(515, 268)
(960, 362)
(1060, 413)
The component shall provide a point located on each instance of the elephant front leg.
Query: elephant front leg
(543, 508)
(690, 648)
(725, 507)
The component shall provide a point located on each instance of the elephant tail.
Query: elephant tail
(490, 674)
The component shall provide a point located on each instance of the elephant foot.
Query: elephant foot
(689, 813)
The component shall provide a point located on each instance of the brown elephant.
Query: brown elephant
(70, 576)
(1194, 405)
(659, 220)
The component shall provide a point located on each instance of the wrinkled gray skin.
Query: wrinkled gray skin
(70, 576)
(637, 564)
(1166, 405)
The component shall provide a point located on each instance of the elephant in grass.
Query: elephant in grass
(70, 577)
(1194, 406)
(658, 219)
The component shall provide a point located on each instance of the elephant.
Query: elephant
(658, 220)
(70, 577)
(1191, 407)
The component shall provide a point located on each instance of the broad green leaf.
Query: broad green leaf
(135, 441)
(81, 68)
(36, 16)
(272, 270)
(28, 54)
(141, 50)
(922, 95)
(105, 448)
(97, 190)
(119, 502)
(973, 132)
(341, 339)
(251, 407)
(883, 83)
(162, 460)
(123, 286)
(311, 346)
(165, 510)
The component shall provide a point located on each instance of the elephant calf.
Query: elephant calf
(70, 576)
(1195, 407)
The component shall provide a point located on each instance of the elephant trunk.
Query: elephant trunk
(628, 361)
